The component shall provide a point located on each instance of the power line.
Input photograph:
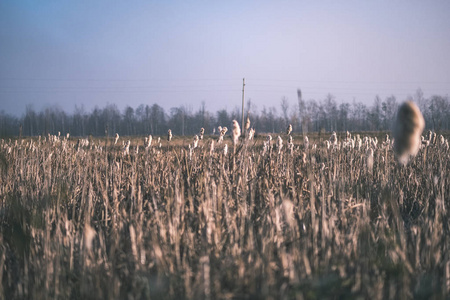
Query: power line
(311, 88)
(116, 80)
(299, 81)
(109, 91)
(187, 88)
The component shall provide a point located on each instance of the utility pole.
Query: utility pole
(242, 124)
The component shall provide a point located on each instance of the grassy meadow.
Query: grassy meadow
(89, 220)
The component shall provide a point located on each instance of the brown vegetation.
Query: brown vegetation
(88, 221)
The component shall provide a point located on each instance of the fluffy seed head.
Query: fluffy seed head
(251, 133)
(126, 148)
(236, 132)
(279, 144)
(247, 123)
(149, 141)
(289, 129)
(306, 142)
(431, 136)
(407, 131)
(195, 143)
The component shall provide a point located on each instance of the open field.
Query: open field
(89, 221)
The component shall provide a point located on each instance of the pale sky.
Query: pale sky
(173, 53)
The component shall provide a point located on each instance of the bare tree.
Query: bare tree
(301, 111)
(284, 109)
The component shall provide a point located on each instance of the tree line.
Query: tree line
(305, 116)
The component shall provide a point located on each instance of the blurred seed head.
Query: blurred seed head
(407, 131)
(89, 234)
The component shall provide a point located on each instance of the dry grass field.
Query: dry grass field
(87, 220)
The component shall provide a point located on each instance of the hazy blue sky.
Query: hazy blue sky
(184, 52)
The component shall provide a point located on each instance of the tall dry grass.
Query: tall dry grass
(307, 223)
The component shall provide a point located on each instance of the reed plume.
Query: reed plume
(407, 131)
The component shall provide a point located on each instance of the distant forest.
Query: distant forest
(305, 116)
